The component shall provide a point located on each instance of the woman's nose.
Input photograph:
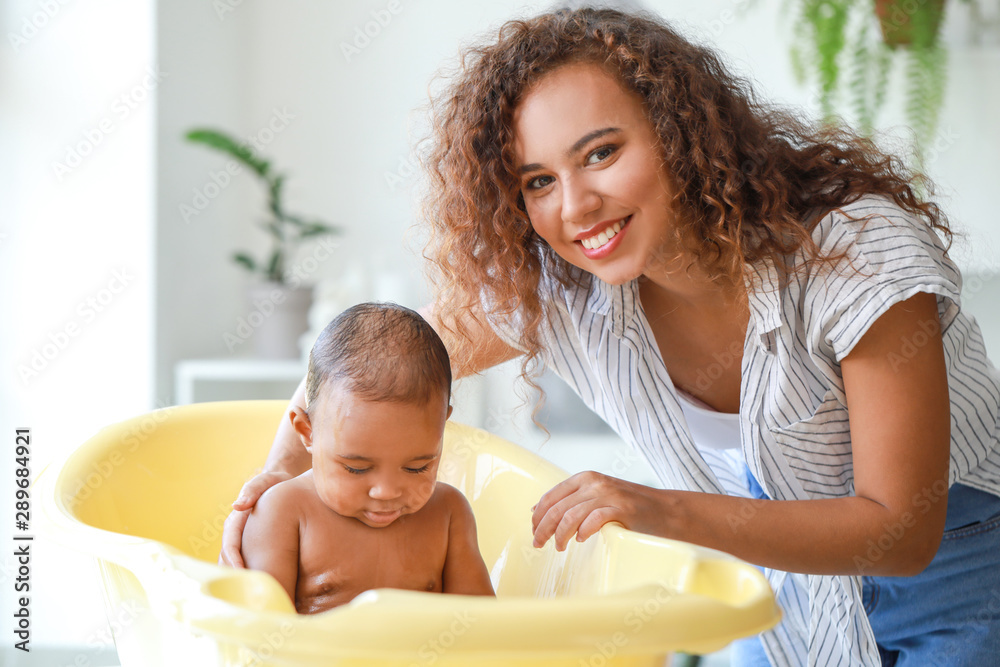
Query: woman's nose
(578, 199)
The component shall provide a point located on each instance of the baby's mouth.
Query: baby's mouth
(382, 517)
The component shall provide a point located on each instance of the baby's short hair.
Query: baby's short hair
(380, 352)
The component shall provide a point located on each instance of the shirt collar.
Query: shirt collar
(620, 303)
(617, 303)
(765, 301)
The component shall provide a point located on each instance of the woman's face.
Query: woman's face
(591, 173)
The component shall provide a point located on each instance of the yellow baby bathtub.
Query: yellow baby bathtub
(147, 498)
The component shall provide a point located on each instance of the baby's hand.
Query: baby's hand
(232, 530)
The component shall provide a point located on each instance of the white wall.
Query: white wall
(76, 119)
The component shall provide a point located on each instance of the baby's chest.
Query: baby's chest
(333, 572)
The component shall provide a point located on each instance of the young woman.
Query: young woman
(764, 310)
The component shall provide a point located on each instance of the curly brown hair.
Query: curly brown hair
(745, 174)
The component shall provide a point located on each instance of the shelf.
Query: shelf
(189, 372)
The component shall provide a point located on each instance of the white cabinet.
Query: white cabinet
(197, 380)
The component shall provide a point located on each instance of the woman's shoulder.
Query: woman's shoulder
(876, 253)
(875, 232)
(870, 215)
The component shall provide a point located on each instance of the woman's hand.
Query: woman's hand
(232, 530)
(588, 500)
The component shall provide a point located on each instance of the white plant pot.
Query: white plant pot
(281, 316)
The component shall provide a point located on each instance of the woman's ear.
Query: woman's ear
(302, 425)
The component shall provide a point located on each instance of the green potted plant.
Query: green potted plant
(280, 303)
(848, 48)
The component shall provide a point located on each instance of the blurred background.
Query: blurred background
(117, 233)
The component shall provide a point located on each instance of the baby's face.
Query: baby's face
(375, 461)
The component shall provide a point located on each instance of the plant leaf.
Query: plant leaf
(227, 144)
(245, 260)
(274, 269)
(296, 220)
(311, 227)
(274, 202)
(317, 229)
(829, 21)
(274, 228)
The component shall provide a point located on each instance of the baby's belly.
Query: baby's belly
(317, 593)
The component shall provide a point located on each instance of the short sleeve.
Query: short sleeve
(892, 256)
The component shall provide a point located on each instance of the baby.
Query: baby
(370, 513)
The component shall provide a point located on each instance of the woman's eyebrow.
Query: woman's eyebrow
(587, 138)
(575, 148)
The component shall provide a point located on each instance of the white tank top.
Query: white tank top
(710, 428)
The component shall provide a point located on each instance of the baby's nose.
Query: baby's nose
(384, 491)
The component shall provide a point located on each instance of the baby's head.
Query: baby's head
(377, 398)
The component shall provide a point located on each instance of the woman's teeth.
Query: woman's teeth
(597, 241)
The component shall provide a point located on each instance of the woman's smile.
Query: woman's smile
(603, 239)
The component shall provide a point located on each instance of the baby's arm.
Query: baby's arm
(271, 537)
(465, 572)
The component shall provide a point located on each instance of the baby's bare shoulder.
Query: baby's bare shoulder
(450, 501)
(448, 496)
(292, 495)
(272, 528)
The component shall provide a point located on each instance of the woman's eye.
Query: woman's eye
(600, 154)
(417, 471)
(538, 182)
(356, 471)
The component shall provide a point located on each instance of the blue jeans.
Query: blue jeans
(949, 614)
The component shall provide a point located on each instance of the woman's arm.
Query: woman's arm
(287, 458)
(900, 436)
(287, 454)
(488, 349)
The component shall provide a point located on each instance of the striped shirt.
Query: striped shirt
(794, 429)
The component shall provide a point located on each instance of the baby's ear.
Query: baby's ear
(450, 408)
(302, 425)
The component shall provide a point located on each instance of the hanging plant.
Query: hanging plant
(905, 28)
(848, 47)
